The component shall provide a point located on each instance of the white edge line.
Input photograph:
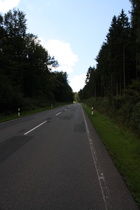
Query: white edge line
(34, 128)
(58, 113)
(95, 161)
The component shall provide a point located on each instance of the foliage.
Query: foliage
(118, 59)
(125, 108)
(115, 82)
(26, 77)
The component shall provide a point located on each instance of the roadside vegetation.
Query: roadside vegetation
(4, 117)
(123, 146)
(7, 117)
(113, 86)
(124, 109)
(28, 76)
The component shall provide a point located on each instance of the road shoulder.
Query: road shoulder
(117, 195)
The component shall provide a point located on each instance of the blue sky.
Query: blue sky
(71, 30)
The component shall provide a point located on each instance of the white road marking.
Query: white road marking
(58, 113)
(34, 128)
(100, 175)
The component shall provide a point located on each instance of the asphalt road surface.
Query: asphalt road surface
(55, 160)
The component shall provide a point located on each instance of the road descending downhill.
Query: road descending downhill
(54, 160)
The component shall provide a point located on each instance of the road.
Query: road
(54, 160)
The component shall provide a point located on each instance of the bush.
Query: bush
(136, 117)
(125, 108)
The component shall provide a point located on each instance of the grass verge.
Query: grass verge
(124, 148)
(4, 118)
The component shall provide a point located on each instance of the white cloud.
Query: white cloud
(6, 5)
(62, 52)
(67, 59)
(78, 82)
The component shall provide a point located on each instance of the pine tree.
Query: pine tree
(135, 21)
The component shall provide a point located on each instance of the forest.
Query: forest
(28, 76)
(113, 86)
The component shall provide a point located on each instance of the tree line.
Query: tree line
(26, 76)
(113, 86)
(118, 61)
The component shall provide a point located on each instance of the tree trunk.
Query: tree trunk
(124, 79)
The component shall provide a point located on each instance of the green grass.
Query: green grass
(124, 148)
(4, 118)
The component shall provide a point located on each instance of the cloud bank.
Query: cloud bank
(6, 5)
(78, 82)
(67, 59)
(62, 52)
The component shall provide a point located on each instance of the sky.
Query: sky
(72, 31)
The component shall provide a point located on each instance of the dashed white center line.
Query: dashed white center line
(58, 113)
(34, 128)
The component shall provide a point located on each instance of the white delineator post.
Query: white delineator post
(18, 112)
(92, 111)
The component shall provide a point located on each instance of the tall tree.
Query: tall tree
(62, 90)
(37, 67)
(135, 20)
(118, 39)
(104, 70)
(15, 27)
(124, 35)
